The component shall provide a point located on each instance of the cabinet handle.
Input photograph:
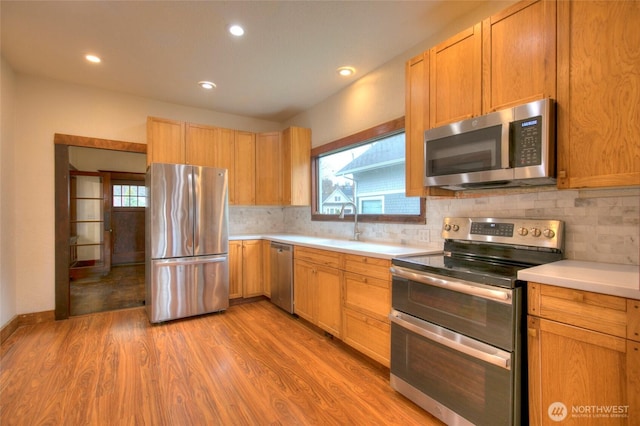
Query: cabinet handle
(533, 332)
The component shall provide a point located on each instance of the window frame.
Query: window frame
(377, 132)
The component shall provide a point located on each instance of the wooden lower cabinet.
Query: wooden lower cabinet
(370, 336)
(245, 268)
(317, 294)
(583, 356)
(235, 269)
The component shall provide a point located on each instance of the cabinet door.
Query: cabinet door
(328, 287)
(519, 55)
(266, 267)
(165, 141)
(598, 94)
(245, 169)
(296, 170)
(235, 269)
(456, 77)
(416, 122)
(268, 169)
(200, 145)
(303, 290)
(252, 268)
(578, 368)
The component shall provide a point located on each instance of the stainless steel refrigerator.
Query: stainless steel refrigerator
(187, 241)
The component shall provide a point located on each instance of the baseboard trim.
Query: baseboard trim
(8, 329)
(25, 319)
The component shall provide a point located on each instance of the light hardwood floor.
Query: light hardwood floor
(251, 365)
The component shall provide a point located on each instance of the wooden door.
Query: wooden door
(416, 122)
(244, 192)
(127, 198)
(268, 169)
(296, 166)
(519, 55)
(598, 94)
(165, 141)
(328, 283)
(200, 145)
(252, 268)
(455, 78)
(303, 290)
(577, 368)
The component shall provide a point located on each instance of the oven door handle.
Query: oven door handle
(472, 289)
(452, 340)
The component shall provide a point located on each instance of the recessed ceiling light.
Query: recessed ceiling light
(346, 71)
(236, 30)
(93, 58)
(207, 85)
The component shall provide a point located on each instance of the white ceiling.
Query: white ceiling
(285, 63)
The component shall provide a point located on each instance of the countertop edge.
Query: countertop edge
(621, 280)
(314, 242)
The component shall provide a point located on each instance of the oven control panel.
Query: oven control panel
(518, 231)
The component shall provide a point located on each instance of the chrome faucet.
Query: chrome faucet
(356, 232)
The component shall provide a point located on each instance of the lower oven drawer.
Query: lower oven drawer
(451, 375)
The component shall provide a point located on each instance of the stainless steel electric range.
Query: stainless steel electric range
(457, 340)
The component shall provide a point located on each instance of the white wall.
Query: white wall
(377, 97)
(7, 194)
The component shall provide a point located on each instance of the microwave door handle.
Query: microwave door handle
(497, 294)
(456, 341)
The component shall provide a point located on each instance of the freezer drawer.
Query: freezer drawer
(183, 287)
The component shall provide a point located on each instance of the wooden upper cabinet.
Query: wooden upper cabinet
(455, 78)
(244, 192)
(416, 122)
(165, 141)
(296, 170)
(598, 94)
(519, 55)
(210, 146)
(268, 169)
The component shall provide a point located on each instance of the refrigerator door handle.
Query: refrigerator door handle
(189, 260)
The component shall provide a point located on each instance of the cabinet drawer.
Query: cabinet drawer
(323, 257)
(369, 266)
(612, 315)
(368, 335)
(369, 295)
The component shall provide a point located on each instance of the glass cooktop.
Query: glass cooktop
(483, 271)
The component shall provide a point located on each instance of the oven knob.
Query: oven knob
(548, 233)
(535, 232)
(447, 227)
(523, 231)
(455, 228)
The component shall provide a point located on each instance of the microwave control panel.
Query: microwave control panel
(526, 138)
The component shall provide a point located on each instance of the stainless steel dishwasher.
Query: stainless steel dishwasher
(282, 275)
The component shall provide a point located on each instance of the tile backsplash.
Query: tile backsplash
(601, 225)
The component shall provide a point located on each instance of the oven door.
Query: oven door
(486, 313)
(457, 379)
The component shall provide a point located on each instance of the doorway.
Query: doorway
(107, 237)
(109, 263)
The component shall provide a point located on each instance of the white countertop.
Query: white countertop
(606, 278)
(363, 248)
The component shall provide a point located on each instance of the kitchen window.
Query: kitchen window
(368, 170)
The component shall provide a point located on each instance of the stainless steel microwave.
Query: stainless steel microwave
(510, 147)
